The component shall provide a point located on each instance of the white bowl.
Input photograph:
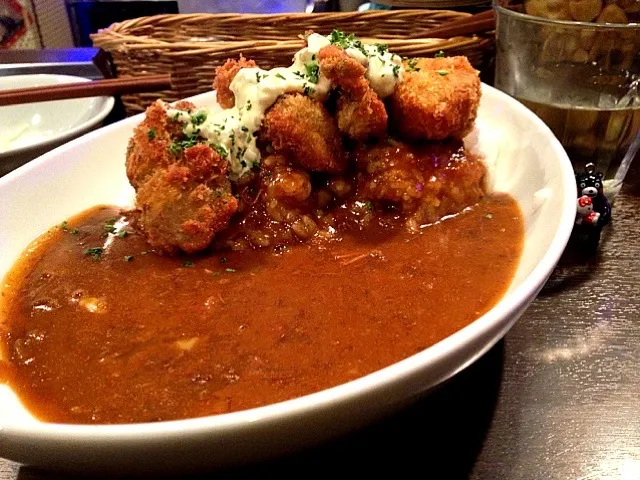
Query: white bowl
(28, 130)
(524, 159)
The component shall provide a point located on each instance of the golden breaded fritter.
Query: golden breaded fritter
(360, 113)
(183, 195)
(148, 148)
(300, 128)
(437, 98)
(225, 75)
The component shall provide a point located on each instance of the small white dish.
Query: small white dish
(27, 130)
(524, 159)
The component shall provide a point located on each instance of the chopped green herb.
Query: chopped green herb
(411, 65)
(174, 149)
(396, 70)
(188, 263)
(369, 206)
(219, 193)
(221, 150)
(75, 231)
(199, 118)
(151, 134)
(382, 48)
(122, 233)
(223, 259)
(244, 128)
(440, 54)
(177, 147)
(442, 73)
(313, 71)
(64, 226)
(342, 40)
(176, 116)
(257, 77)
(128, 258)
(308, 90)
(109, 225)
(230, 270)
(280, 76)
(95, 252)
(248, 105)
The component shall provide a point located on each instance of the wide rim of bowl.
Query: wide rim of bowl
(463, 339)
(101, 114)
(565, 23)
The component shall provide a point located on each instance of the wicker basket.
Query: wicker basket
(190, 47)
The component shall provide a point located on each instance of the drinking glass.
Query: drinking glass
(581, 78)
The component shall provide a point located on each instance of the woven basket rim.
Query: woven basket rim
(120, 31)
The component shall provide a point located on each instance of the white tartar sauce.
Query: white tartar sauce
(233, 131)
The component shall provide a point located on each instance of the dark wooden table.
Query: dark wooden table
(558, 398)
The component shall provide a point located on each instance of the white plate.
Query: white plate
(524, 159)
(32, 126)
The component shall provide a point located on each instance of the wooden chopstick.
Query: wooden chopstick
(467, 26)
(96, 88)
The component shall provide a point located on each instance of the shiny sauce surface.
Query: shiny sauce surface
(125, 335)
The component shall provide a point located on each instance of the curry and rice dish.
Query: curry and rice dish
(325, 222)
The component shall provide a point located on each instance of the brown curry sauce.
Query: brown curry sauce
(131, 336)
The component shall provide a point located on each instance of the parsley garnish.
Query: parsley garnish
(440, 54)
(396, 70)
(151, 134)
(174, 149)
(95, 252)
(75, 231)
(313, 71)
(188, 263)
(442, 73)
(177, 147)
(342, 40)
(128, 258)
(223, 259)
(308, 90)
(257, 77)
(199, 118)
(369, 206)
(123, 233)
(382, 48)
(280, 76)
(248, 105)
(64, 226)
(108, 225)
(221, 150)
(244, 128)
(411, 65)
